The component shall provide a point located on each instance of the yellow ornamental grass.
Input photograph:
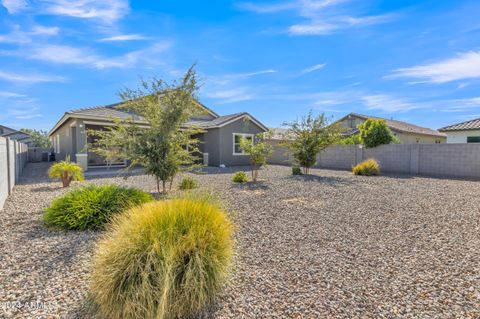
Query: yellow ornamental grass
(162, 260)
(369, 167)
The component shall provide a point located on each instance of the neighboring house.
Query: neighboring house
(407, 133)
(465, 132)
(15, 135)
(219, 140)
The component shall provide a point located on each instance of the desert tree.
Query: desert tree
(308, 136)
(258, 151)
(375, 132)
(156, 135)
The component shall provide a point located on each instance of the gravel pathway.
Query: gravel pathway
(330, 245)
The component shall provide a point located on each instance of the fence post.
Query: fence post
(358, 154)
(9, 178)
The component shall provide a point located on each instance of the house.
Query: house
(464, 132)
(407, 133)
(219, 139)
(15, 135)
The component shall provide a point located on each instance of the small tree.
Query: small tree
(163, 145)
(307, 137)
(66, 171)
(39, 137)
(374, 133)
(258, 151)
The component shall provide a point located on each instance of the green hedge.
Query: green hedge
(91, 207)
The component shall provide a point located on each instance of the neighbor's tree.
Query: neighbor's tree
(39, 137)
(374, 133)
(163, 145)
(258, 150)
(307, 137)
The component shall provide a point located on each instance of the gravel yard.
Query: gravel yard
(329, 245)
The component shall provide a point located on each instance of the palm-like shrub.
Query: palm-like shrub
(368, 168)
(162, 260)
(91, 207)
(66, 171)
(240, 177)
(188, 183)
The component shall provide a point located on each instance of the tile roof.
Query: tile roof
(401, 126)
(464, 126)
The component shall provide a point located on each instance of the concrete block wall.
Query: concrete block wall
(441, 160)
(13, 158)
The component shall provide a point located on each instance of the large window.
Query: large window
(237, 150)
(473, 139)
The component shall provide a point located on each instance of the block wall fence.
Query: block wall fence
(439, 160)
(13, 158)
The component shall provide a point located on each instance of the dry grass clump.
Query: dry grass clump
(368, 167)
(165, 259)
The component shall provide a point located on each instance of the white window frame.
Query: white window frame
(242, 135)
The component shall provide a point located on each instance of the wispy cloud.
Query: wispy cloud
(231, 95)
(463, 66)
(313, 68)
(24, 112)
(123, 37)
(7, 95)
(29, 78)
(63, 54)
(104, 10)
(19, 36)
(14, 6)
(322, 17)
(389, 104)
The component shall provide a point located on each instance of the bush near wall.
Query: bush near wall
(240, 177)
(163, 260)
(368, 167)
(91, 207)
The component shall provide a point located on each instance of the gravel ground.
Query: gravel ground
(329, 245)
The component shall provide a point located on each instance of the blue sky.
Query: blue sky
(417, 61)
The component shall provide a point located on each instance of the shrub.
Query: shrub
(91, 207)
(368, 168)
(165, 259)
(296, 170)
(66, 171)
(374, 133)
(188, 183)
(240, 177)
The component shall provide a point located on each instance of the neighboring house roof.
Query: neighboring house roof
(16, 135)
(463, 126)
(398, 126)
(108, 112)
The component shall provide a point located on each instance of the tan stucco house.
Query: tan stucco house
(407, 133)
(464, 132)
(219, 139)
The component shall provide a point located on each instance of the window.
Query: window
(473, 139)
(237, 150)
(57, 144)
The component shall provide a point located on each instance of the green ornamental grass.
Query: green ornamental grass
(188, 183)
(163, 260)
(240, 177)
(91, 207)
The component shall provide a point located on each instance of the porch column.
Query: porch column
(82, 160)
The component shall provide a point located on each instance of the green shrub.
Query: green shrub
(91, 207)
(164, 260)
(66, 171)
(240, 177)
(296, 170)
(188, 183)
(368, 168)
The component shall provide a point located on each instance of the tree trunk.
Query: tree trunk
(158, 185)
(171, 182)
(65, 179)
(164, 184)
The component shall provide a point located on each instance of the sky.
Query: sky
(415, 61)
